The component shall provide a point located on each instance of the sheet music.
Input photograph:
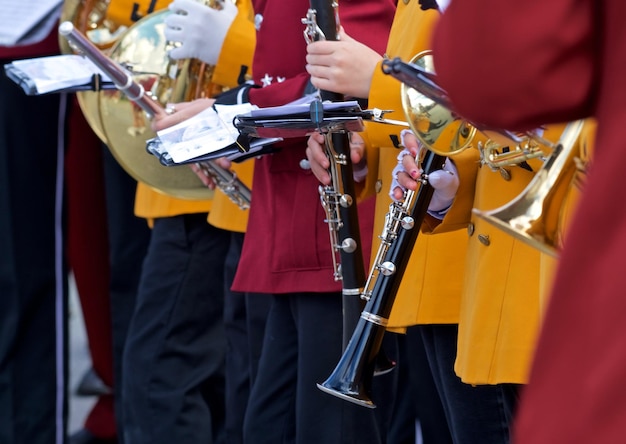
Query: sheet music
(258, 146)
(19, 20)
(54, 73)
(206, 132)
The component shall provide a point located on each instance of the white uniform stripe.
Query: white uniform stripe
(60, 278)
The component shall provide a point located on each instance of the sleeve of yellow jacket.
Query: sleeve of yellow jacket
(127, 12)
(224, 213)
(238, 48)
(236, 55)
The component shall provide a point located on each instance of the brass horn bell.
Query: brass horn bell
(435, 125)
(142, 48)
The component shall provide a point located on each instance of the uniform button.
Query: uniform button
(258, 19)
(470, 229)
(378, 186)
(506, 174)
(484, 239)
(305, 164)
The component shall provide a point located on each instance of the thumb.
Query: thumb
(180, 52)
(343, 36)
(357, 147)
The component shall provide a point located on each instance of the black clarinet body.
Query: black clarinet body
(339, 199)
(352, 378)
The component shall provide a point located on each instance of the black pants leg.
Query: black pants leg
(33, 275)
(244, 323)
(302, 346)
(128, 243)
(174, 357)
(479, 414)
(426, 399)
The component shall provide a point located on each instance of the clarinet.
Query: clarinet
(352, 378)
(339, 198)
(225, 180)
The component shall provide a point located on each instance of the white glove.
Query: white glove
(445, 183)
(198, 28)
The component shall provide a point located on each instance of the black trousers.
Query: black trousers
(173, 383)
(129, 237)
(417, 396)
(480, 414)
(33, 284)
(244, 322)
(302, 346)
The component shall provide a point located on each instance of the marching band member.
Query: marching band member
(571, 77)
(73, 190)
(286, 253)
(244, 313)
(33, 276)
(498, 317)
(175, 396)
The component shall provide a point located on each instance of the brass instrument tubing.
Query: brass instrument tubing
(225, 180)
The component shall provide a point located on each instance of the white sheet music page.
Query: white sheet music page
(206, 132)
(54, 73)
(19, 18)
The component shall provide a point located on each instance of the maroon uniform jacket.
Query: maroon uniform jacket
(522, 64)
(46, 47)
(287, 246)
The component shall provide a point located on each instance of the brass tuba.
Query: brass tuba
(121, 124)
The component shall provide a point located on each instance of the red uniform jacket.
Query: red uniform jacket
(520, 65)
(287, 246)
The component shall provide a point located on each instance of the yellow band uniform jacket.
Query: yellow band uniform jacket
(431, 287)
(237, 51)
(570, 69)
(505, 285)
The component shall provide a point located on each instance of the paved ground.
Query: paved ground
(80, 361)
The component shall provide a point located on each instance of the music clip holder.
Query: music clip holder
(316, 111)
(300, 120)
(96, 82)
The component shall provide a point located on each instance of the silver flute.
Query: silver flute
(224, 179)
